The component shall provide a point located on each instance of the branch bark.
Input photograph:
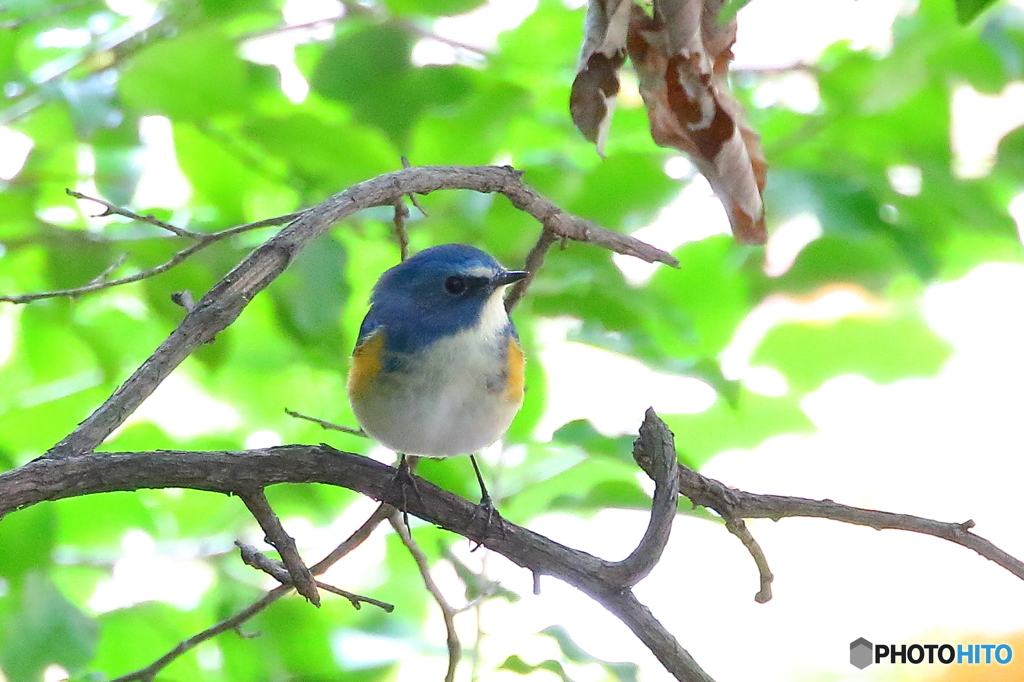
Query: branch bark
(607, 582)
(226, 300)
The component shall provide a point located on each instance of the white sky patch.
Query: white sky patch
(778, 34)
(481, 27)
(55, 673)
(278, 49)
(263, 439)
(679, 167)
(431, 51)
(1016, 209)
(141, 575)
(787, 240)
(612, 390)
(183, 410)
(832, 303)
(162, 183)
(905, 180)
(694, 214)
(14, 149)
(979, 123)
(795, 90)
(64, 38)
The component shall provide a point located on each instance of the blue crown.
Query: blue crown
(436, 293)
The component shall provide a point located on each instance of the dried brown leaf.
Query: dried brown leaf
(594, 91)
(681, 55)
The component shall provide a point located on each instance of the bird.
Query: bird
(438, 369)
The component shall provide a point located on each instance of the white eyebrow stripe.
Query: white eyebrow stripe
(479, 271)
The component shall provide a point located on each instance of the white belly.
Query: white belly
(454, 403)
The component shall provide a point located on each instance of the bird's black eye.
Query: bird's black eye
(455, 285)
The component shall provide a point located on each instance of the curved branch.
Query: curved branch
(730, 503)
(656, 445)
(226, 300)
(229, 472)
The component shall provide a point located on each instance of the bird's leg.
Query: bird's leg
(405, 479)
(486, 506)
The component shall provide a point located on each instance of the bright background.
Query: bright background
(872, 356)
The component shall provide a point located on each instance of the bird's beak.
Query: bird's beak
(509, 277)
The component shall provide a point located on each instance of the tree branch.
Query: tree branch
(534, 260)
(149, 672)
(111, 209)
(447, 612)
(231, 472)
(249, 556)
(99, 284)
(737, 504)
(226, 300)
(299, 576)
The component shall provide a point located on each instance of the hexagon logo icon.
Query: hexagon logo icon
(861, 651)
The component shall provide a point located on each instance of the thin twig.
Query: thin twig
(380, 514)
(401, 233)
(534, 260)
(111, 209)
(739, 528)
(329, 426)
(114, 265)
(149, 672)
(655, 445)
(356, 599)
(412, 197)
(232, 623)
(412, 27)
(257, 504)
(447, 612)
(276, 570)
(120, 43)
(290, 28)
(177, 258)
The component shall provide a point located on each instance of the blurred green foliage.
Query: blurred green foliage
(89, 86)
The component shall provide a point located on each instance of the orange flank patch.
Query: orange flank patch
(366, 364)
(516, 372)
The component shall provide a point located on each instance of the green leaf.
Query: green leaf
(884, 349)
(625, 191)
(31, 531)
(323, 156)
(722, 427)
(868, 260)
(434, 8)
(191, 77)
(368, 69)
(516, 664)
(97, 522)
(45, 629)
(623, 672)
(968, 10)
(309, 296)
(729, 10)
(134, 637)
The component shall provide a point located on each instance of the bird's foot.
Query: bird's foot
(485, 511)
(405, 482)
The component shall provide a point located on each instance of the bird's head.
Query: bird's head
(441, 291)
